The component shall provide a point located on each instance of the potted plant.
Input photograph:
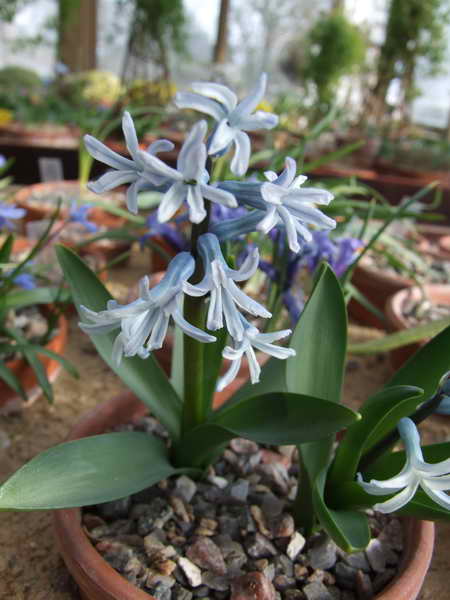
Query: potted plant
(321, 501)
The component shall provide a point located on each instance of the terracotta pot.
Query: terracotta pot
(108, 249)
(9, 400)
(377, 286)
(438, 294)
(99, 581)
(431, 240)
(444, 246)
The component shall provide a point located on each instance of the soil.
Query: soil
(424, 311)
(30, 567)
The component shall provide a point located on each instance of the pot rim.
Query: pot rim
(83, 560)
(394, 304)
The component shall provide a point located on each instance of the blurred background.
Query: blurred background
(380, 66)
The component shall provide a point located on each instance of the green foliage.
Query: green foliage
(334, 48)
(17, 83)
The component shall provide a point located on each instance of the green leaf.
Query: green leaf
(422, 507)
(378, 417)
(10, 379)
(272, 379)
(401, 338)
(320, 341)
(87, 471)
(144, 377)
(213, 361)
(43, 295)
(282, 418)
(427, 366)
(348, 528)
(6, 248)
(64, 362)
(177, 368)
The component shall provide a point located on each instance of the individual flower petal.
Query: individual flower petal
(241, 158)
(198, 102)
(218, 92)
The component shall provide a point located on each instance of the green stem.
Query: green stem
(193, 359)
(303, 508)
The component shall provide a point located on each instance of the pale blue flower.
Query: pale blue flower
(144, 322)
(80, 214)
(134, 170)
(233, 119)
(252, 338)
(434, 479)
(189, 180)
(225, 295)
(9, 212)
(26, 281)
(292, 206)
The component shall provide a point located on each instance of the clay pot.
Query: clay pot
(437, 293)
(99, 581)
(9, 400)
(107, 249)
(444, 246)
(431, 240)
(377, 286)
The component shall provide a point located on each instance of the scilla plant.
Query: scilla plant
(295, 398)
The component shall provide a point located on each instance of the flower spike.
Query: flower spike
(233, 119)
(127, 170)
(226, 296)
(144, 322)
(434, 479)
(188, 182)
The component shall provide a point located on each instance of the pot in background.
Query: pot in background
(395, 309)
(99, 581)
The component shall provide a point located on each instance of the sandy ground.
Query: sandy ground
(30, 568)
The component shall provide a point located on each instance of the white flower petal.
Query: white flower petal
(219, 196)
(440, 497)
(155, 165)
(197, 102)
(273, 193)
(230, 375)
(218, 92)
(196, 204)
(171, 201)
(246, 303)
(105, 155)
(241, 158)
(291, 231)
(130, 135)
(160, 146)
(111, 180)
(221, 137)
(270, 175)
(132, 195)
(287, 176)
(253, 364)
(398, 501)
(258, 120)
(190, 330)
(248, 267)
(159, 332)
(248, 105)
(191, 154)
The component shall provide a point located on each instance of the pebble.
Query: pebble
(216, 582)
(271, 505)
(364, 588)
(283, 565)
(317, 591)
(322, 553)
(382, 579)
(239, 491)
(295, 546)
(294, 594)
(243, 446)
(357, 560)
(260, 520)
(376, 556)
(185, 488)
(207, 555)
(179, 509)
(191, 571)
(283, 582)
(259, 546)
(181, 593)
(252, 586)
(345, 575)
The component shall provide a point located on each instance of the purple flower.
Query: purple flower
(3, 161)
(169, 233)
(8, 212)
(25, 281)
(79, 214)
(339, 253)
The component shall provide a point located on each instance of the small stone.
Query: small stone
(357, 560)
(161, 591)
(364, 589)
(234, 555)
(283, 565)
(294, 594)
(252, 586)
(91, 521)
(220, 482)
(381, 580)
(284, 527)
(133, 566)
(156, 516)
(260, 520)
(207, 555)
(376, 556)
(300, 572)
(296, 545)
(322, 553)
(181, 593)
(153, 546)
(185, 488)
(154, 578)
(345, 575)
(347, 595)
(201, 592)
(275, 474)
(392, 534)
(216, 582)
(317, 591)
(191, 571)
(179, 509)
(243, 446)
(269, 457)
(229, 525)
(239, 491)
(283, 582)
(259, 546)
(271, 505)
(165, 567)
(115, 509)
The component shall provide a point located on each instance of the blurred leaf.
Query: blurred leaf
(44, 295)
(6, 248)
(144, 377)
(11, 379)
(87, 471)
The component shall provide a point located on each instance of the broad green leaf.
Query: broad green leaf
(6, 248)
(422, 507)
(378, 417)
(272, 379)
(401, 338)
(427, 366)
(87, 471)
(177, 368)
(389, 465)
(320, 341)
(43, 295)
(144, 377)
(10, 379)
(282, 418)
(348, 528)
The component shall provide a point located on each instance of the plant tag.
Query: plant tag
(50, 169)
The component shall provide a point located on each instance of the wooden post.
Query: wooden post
(78, 34)
(220, 49)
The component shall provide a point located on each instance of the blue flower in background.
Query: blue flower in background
(79, 214)
(25, 281)
(339, 253)
(3, 161)
(233, 119)
(9, 212)
(168, 232)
